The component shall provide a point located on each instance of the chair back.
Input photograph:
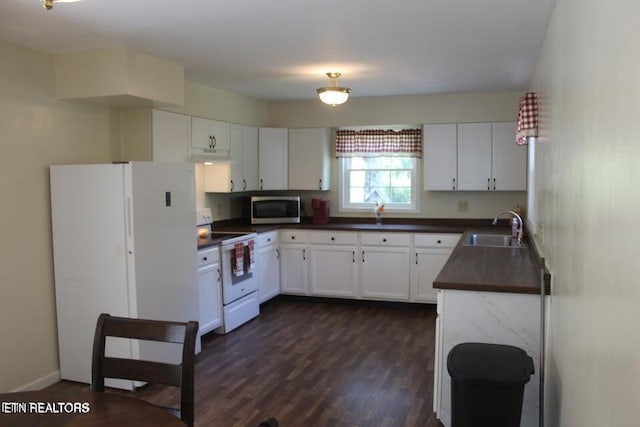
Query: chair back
(181, 375)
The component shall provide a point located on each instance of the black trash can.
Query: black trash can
(487, 384)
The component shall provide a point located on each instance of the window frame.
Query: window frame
(344, 190)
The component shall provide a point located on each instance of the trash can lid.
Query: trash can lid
(480, 363)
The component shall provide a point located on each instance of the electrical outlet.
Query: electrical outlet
(463, 206)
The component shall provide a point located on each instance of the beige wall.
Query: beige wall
(588, 200)
(211, 103)
(446, 108)
(36, 130)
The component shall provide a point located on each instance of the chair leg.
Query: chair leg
(269, 422)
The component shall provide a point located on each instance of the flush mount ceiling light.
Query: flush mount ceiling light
(334, 94)
(48, 4)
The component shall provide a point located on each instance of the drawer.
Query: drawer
(293, 236)
(266, 239)
(434, 240)
(334, 238)
(208, 256)
(386, 239)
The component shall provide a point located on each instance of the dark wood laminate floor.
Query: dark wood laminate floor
(315, 363)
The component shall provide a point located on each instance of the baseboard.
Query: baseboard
(40, 383)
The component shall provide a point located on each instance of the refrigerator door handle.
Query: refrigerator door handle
(129, 231)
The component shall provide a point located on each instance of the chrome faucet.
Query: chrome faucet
(515, 221)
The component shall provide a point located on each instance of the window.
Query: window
(389, 180)
(378, 165)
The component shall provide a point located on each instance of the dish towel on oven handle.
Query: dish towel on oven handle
(251, 258)
(238, 262)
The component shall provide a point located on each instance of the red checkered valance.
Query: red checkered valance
(527, 118)
(379, 142)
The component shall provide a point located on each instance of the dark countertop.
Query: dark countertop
(468, 268)
(474, 268)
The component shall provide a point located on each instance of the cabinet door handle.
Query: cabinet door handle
(494, 184)
(219, 275)
(244, 185)
(277, 254)
(362, 256)
(261, 187)
(416, 258)
(353, 257)
(231, 185)
(320, 184)
(454, 184)
(214, 141)
(488, 183)
(304, 254)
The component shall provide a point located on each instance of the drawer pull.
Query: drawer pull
(439, 241)
(293, 237)
(384, 240)
(204, 258)
(333, 238)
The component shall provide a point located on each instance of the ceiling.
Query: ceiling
(281, 49)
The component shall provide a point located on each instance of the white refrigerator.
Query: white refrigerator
(124, 243)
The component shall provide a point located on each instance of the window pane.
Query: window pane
(379, 179)
(401, 195)
(389, 180)
(356, 195)
(357, 178)
(401, 179)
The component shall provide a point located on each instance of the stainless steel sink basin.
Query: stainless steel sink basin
(491, 240)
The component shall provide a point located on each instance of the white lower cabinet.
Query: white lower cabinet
(268, 261)
(332, 262)
(431, 252)
(387, 266)
(209, 290)
(293, 262)
(384, 266)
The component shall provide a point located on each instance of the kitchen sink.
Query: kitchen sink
(491, 240)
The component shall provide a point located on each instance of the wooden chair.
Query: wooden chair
(181, 375)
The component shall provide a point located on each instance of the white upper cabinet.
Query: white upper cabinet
(209, 137)
(250, 158)
(440, 156)
(309, 159)
(154, 135)
(273, 159)
(240, 172)
(509, 160)
(170, 136)
(473, 157)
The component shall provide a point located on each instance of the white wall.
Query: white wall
(588, 200)
(36, 130)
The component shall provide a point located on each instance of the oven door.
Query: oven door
(236, 286)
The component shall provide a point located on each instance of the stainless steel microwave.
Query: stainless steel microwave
(275, 209)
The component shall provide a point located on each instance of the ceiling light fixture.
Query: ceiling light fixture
(48, 4)
(334, 94)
